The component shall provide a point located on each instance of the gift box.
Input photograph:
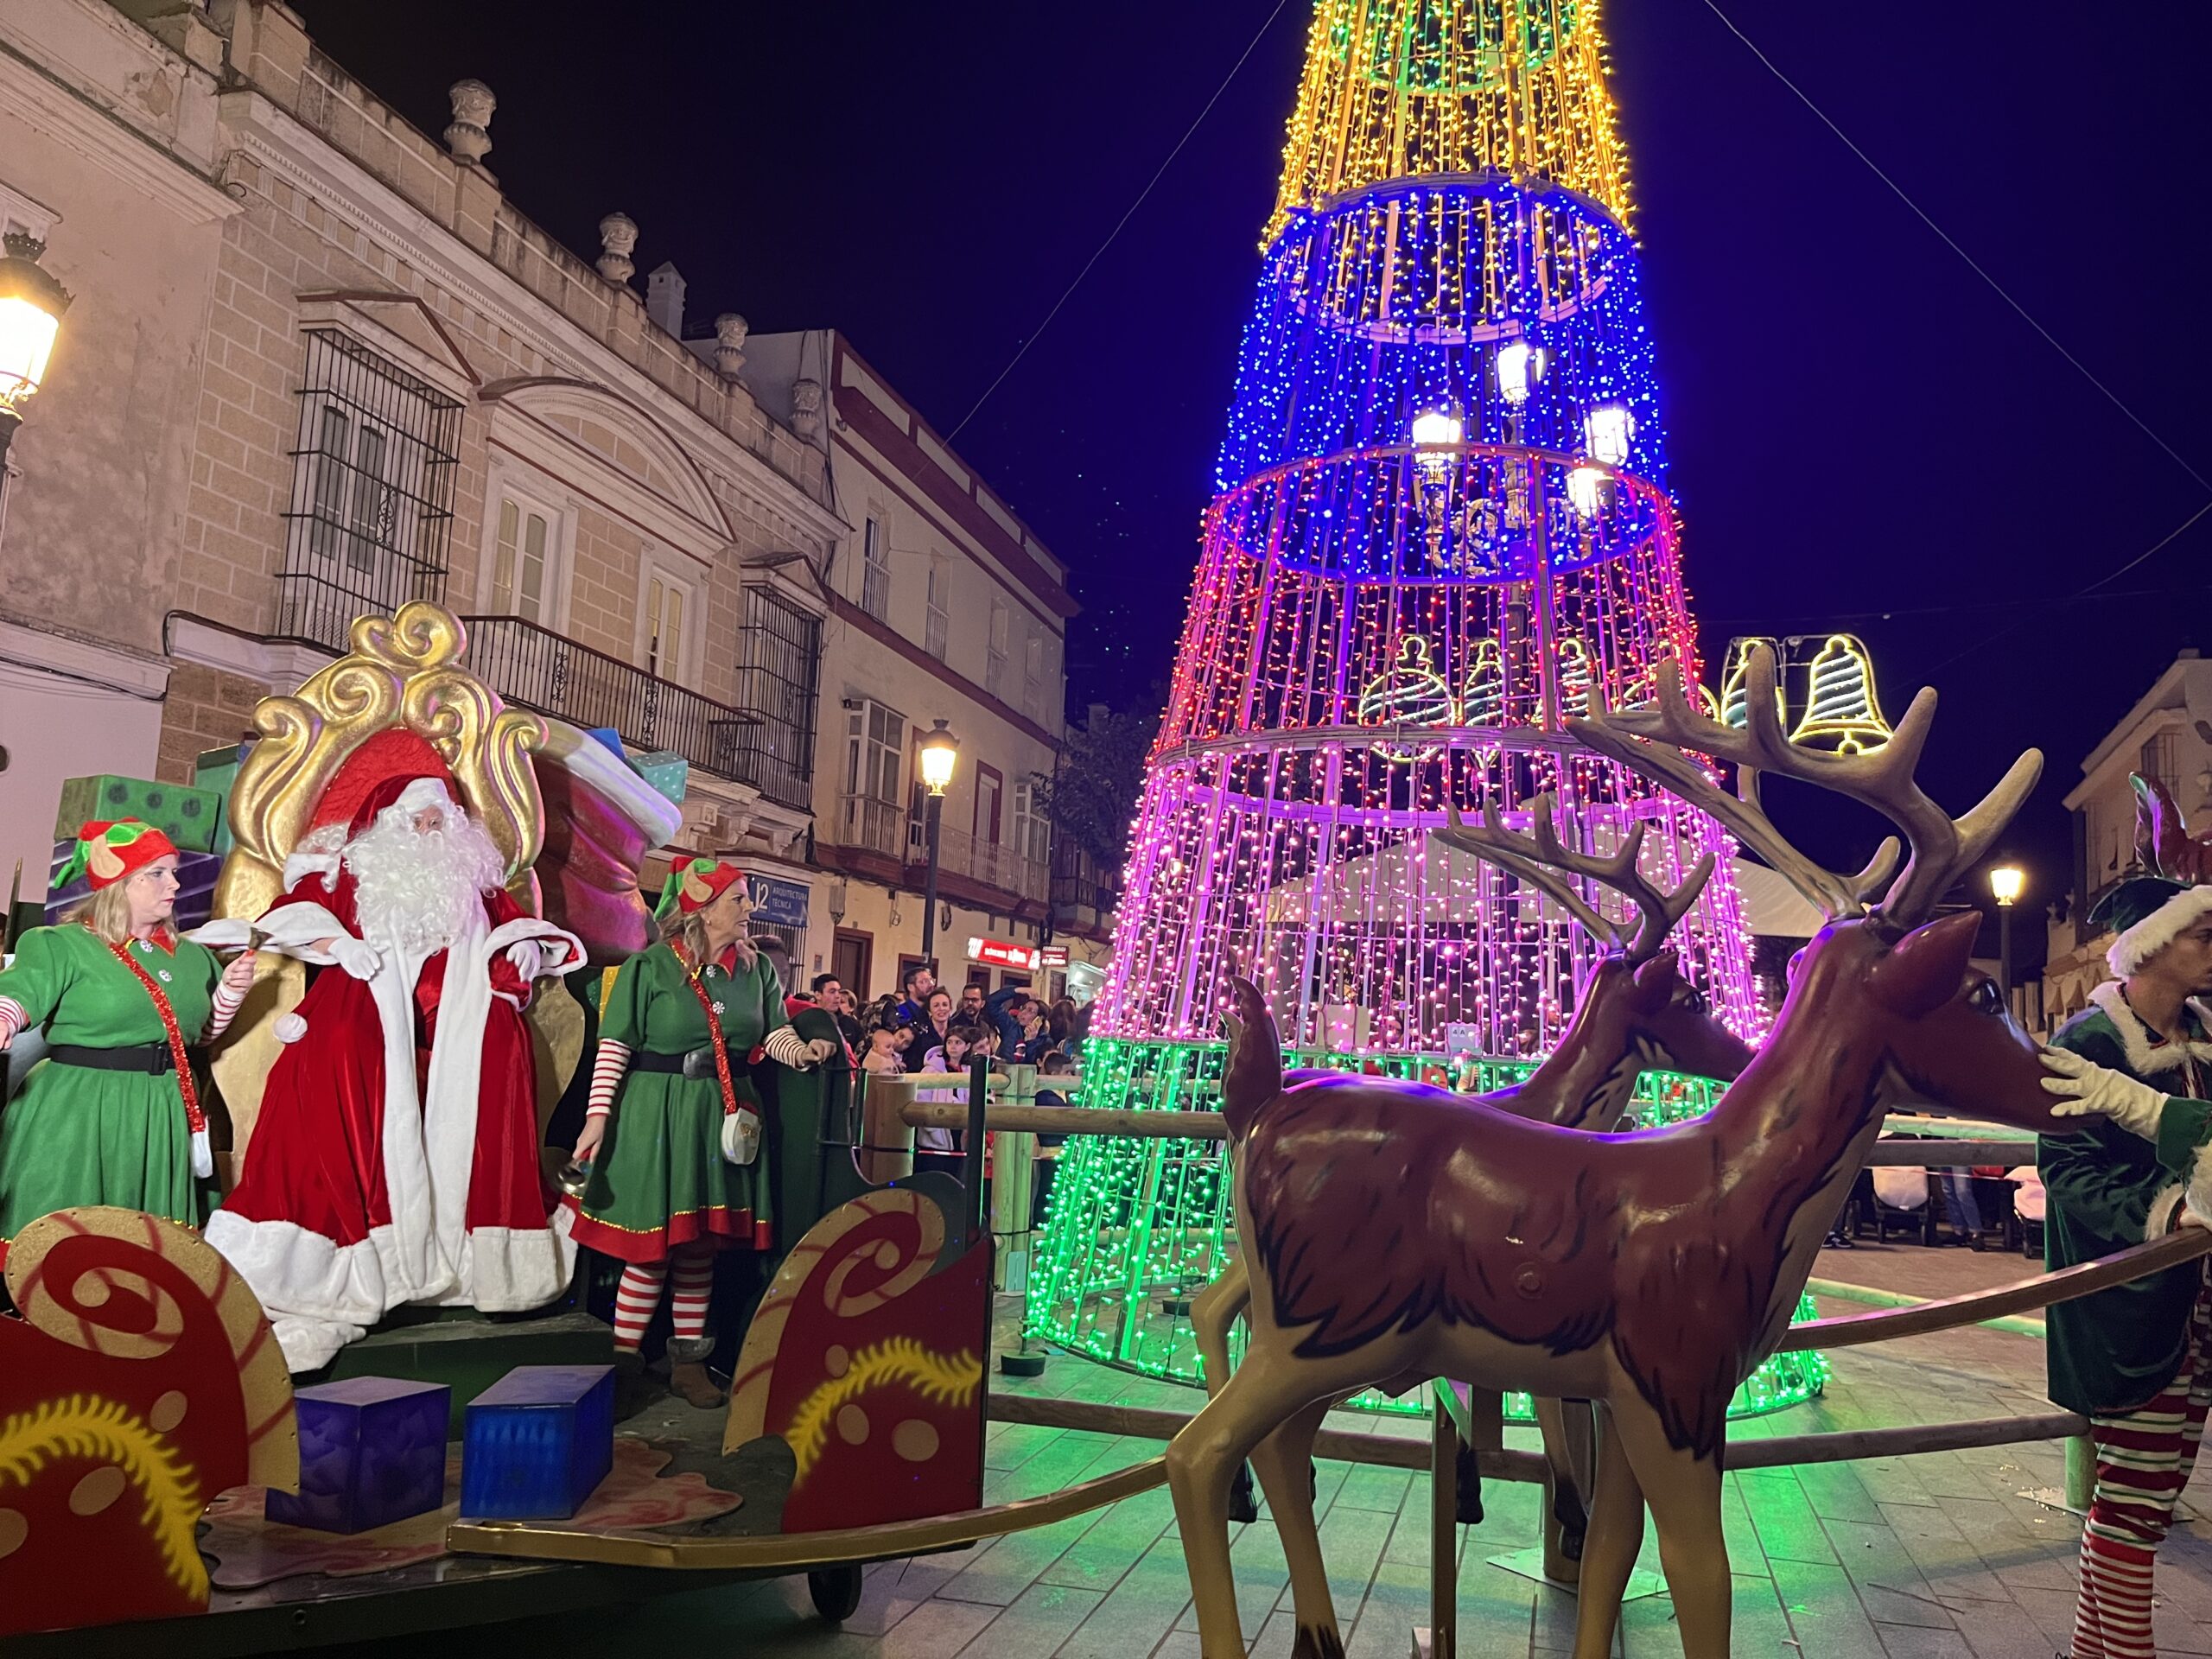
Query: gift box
(668, 773)
(186, 816)
(537, 1443)
(372, 1450)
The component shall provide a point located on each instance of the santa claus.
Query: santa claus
(396, 1157)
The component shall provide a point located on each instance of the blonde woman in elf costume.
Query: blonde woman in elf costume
(112, 1116)
(2137, 1359)
(672, 1133)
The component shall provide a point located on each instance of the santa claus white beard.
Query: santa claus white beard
(415, 889)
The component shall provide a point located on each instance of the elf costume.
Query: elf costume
(2136, 1358)
(112, 1116)
(677, 1175)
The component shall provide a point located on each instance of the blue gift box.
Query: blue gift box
(372, 1450)
(537, 1443)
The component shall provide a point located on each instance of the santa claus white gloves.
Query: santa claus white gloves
(2085, 1087)
(818, 1050)
(528, 957)
(357, 957)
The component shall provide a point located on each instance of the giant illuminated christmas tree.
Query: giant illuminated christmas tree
(1442, 520)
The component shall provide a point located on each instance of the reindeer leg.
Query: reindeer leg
(1684, 1492)
(1213, 1311)
(1285, 1462)
(1609, 1548)
(1260, 1395)
(1568, 1520)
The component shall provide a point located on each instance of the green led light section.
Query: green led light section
(1137, 1227)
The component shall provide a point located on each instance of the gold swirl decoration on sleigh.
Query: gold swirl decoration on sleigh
(403, 672)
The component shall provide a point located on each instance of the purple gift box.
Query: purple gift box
(372, 1450)
(537, 1443)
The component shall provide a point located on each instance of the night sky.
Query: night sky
(1864, 434)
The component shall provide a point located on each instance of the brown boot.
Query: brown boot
(686, 1372)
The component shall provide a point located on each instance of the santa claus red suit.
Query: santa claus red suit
(396, 1157)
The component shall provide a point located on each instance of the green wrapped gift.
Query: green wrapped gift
(188, 816)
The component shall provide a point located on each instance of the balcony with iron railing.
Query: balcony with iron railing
(992, 863)
(887, 828)
(538, 668)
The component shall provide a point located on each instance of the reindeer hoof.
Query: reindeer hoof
(1567, 1510)
(1242, 1505)
(1469, 1483)
(1323, 1644)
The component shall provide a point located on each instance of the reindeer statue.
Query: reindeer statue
(1634, 1011)
(1393, 1235)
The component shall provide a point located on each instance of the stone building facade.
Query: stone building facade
(317, 363)
(2168, 735)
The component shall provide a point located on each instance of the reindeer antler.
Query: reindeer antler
(1544, 862)
(1943, 847)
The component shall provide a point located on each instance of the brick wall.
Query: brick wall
(206, 709)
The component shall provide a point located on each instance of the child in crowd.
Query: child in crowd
(936, 1148)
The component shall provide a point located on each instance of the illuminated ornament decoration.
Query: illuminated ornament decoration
(1411, 694)
(1733, 697)
(1841, 707)
(1441, 526)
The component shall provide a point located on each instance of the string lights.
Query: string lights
(1442, 529)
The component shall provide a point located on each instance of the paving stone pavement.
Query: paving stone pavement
(1941, 1556)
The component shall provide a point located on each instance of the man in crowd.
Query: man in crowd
(915, 985)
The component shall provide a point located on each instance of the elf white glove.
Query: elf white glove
(818, 1050)
(528, 958)
(357, 957)
(2085, 1087)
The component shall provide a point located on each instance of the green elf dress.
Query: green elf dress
(2109, 1188)
(76, 1135)
(660, 1180)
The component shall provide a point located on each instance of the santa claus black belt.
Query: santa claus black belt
(150, 1059)
(696, 1064)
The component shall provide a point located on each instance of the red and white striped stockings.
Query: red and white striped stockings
(2144, 1460)
(692, 1272)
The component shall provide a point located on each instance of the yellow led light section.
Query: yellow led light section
(1396, 89)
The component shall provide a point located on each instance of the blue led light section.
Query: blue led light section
(1394, 300)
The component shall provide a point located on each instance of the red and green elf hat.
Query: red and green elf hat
(695, 883)
(109, 849)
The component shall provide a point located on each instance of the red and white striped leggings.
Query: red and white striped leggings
(2143, 1460)
(692, 1271)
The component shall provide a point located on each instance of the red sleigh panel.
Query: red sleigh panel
(867, 1357)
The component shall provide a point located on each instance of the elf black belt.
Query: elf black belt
(150, 1059)
(694, 1065)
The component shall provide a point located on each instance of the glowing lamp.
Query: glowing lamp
(1520, 365)
(939, 749)
(2005, 882)
(1605, 432)
(31, 304)
(1585, 491)
(1434, 431)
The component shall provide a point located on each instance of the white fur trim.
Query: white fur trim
(607, 772)
(290, 1028)
(2144, 1058)
(2157, 930)
(319, 1294)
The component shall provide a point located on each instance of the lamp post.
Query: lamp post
(2005, 882)
(939, 749)
(31, 304)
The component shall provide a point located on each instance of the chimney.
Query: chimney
(664, 299)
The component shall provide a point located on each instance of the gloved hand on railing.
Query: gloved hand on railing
(2084, 1087)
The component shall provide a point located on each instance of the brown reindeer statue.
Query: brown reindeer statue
(1634, 1011)
(1397, 1235)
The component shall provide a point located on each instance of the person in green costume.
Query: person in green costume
(2136, 1358)
(672, 1131)
(112, 1116)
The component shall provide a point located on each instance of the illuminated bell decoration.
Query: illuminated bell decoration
(1574, 670)
(1520, 365)
(1841, 707)
(1483, 702)
(1411, 694)
(1733, 677)
(1605, 432)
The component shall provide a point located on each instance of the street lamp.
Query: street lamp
(31, 304)
(939, 749)
(2005, 881)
